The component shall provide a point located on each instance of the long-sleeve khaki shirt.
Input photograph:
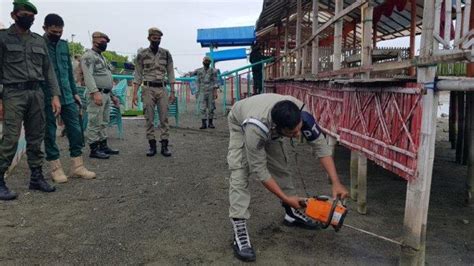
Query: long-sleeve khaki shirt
(154, 67)
(24, 58)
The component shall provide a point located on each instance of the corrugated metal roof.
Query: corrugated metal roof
(232, 36)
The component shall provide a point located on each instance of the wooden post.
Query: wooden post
(286, 70)
(304, 60)
(354, 173)
(299, 22)
(362, 184)
(315, 44)
(418, 189)
(338, 36)
(374, 35)
(412, 70)
(278, 52)
(366, 56)
(470, 161)
(452, 118)
(460, 136)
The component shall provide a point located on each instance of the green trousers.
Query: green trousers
(22, 106)
(98, 118)
(70, 117)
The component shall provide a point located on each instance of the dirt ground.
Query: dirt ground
(163, 211)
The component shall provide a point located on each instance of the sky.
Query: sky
(127, 23)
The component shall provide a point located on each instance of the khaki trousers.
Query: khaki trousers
(151, 98)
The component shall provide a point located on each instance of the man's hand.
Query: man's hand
(294, 201)
(172, 97)
(97, 98)
(135, 95)
(339, 189)
(77, 99)
(115, 100)
(56, 104)
(215, 94)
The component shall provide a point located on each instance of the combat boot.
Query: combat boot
(106, 149)
(79, 170)
(5, 193)
(57, 173)
(164, 148)
(152, 151)
(37, 181)
(242, 248)
(294, 217)
(211, 125)
(96, 152)
(204, 124)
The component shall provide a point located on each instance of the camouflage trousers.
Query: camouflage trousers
(207, 105)
(98, 118)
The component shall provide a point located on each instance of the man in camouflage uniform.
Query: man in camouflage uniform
(208, 83)
(98, 79)
(154, 69)
(24, 66)
(58, 51)
(257, 126)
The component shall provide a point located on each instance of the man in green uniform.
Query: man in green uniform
(24, 65)
(98, 79)
(208, 84)
(257, 70)
(155, 70)
(257, 126)
(60, 58)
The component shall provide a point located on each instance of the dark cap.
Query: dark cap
(99, 34)
(154, 31)
(17, 4)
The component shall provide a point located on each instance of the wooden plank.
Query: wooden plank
(286, 63)
(354, 173)
(418, 190)
(448, 20)
(299, 22)
(457, 33)
(452, 118)
(367, 32)
(315, 43)
(362, 184)
(460, 135)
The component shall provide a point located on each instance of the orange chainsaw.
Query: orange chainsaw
(326, 211)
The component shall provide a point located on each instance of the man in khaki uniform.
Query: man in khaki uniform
(257, 126)
(154, 68)
(24, 67)
(98, 79)
(208, 83)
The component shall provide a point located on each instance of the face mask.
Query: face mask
(25, 22)
(54, 38)
(154, 44)
(102, 46)
(206, 64)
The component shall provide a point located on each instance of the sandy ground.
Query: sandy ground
(174, 210)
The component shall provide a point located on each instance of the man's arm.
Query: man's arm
(170, 72)
(49, 75)
(72, 81)
(87, 65)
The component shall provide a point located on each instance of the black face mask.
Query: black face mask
(102, 46)
(25, 22)
(54, 38)
(206, 64)
(154, 44)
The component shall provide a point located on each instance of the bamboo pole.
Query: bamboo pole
(362, 184)
(315, 44)
(299, 22)
(366, 56)
(354, 172)
(286, 64)
(418, 190)
(412, 70)
(338, 36)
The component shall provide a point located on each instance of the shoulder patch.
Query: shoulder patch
(310, 128)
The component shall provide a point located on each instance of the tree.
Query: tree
(76, 48)
(112, 56)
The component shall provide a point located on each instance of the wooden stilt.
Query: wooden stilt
(460, 135)
(470, 161)
(418, 190)
(362, 184)
(412, 70)
(354, 172)
(299, 22)
(315, 44)
(332, 141)
(452, 118)
(338, 36)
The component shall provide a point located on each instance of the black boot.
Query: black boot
(152, 151)
(294, 217)
(37, 181)
(204, 124)
(242, 248)
(211, 125)
(5, 193)
(164, 148)
(96, 152)
(106, 149)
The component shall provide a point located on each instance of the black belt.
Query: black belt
(104, 90)
(158, 83)
(28, 85)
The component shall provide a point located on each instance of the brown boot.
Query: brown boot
(57, 173)
(78, 169)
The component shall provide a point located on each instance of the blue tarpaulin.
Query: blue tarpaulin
(230, 54)
(233, 36)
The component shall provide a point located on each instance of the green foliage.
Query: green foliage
(114, 57)
(76, 48)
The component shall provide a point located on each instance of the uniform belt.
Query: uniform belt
(29, 85)
(104, 90)
(158, 83)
